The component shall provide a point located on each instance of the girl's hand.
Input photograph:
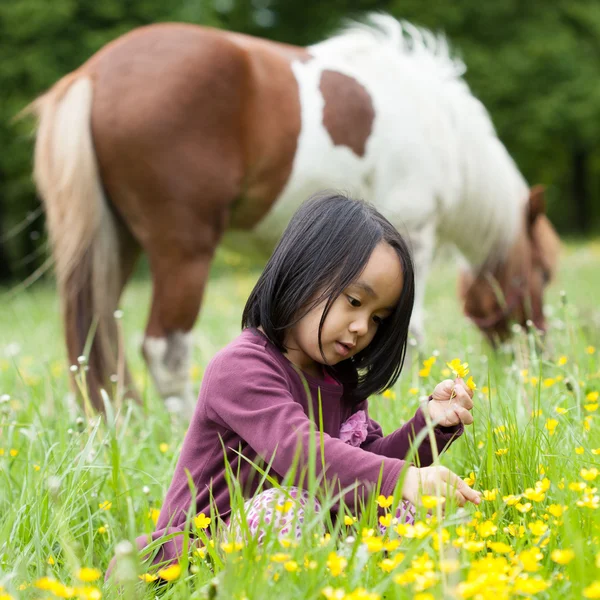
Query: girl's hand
(434, 481)
(451, 404)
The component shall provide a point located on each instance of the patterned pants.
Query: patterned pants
(284, 512)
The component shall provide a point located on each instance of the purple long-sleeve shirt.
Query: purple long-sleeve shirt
(254, 402)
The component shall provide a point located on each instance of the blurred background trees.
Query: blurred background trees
(535, 65)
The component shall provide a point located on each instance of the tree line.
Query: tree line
(535, 65)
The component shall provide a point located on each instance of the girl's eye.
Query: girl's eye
(378, 320)
(353, 301)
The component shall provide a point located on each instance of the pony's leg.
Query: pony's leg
(178, 287)
(423, 245)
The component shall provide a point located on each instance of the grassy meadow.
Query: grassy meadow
(73, 491)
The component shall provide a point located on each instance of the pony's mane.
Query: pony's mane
(504, 191)
(418, 43)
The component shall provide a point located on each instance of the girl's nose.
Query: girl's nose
(359, 326)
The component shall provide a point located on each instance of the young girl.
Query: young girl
(332, 308)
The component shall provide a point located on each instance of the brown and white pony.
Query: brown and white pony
(173, 133)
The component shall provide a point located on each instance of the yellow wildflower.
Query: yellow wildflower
(432, 501)
(153, 515)
(170, 573)
(349, 520)
(593, 590)
(392, 545)
(473, 546)
(560, 410)
(501, 451)
(543, 485)
(230, 547)
(590, 350)
(201, 521)
(580, 450)
(524, 508)
(385, 520)
(486, 529)
(384, 502)
(530, 559)
(429, 362)
(389, 394)
(538, 528)
(291, 566)
(459, 369)
(280, 557)
(164, 447)
(556, 510)
(551, 425)
(87, 574)
(535, 495)
(46, 583)
(106, 505)
(577, 486)
(589, 474)
(589, 501)
(489, 495)
(592, 396)
(592, 407)
(419, 530)
(148, 577)
(562, 361)
(373, 544)
(499, 547)
(413, 391)
(471, 384)
(470, 480)
(389, 564)
(515, 530)
(285, 507)
(562, 557)
(336, 564)
(511, 500)
(530, 585)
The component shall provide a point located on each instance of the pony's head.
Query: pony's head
(513, 289)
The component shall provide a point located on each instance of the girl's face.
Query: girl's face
(353, 318)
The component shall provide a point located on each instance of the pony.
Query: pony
(173, 134)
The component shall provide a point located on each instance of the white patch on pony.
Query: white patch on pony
(433, 157)
(318, 164)
(169, 361)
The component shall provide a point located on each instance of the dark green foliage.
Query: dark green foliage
(535, 65)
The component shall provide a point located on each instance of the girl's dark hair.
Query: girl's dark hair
(322, 251)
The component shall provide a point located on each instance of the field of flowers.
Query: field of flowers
(75, 491)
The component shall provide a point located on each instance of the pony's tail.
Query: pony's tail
(83, 232)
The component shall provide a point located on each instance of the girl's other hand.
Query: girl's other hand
(434, 481)
(451, 403)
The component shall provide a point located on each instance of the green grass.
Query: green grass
(64, 469)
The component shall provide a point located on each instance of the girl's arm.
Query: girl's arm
(248, 393)
(397, 444)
